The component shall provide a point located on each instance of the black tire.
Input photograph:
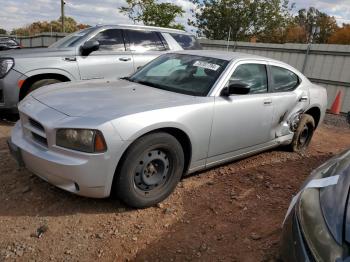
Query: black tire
(41, 83)
(303, 134)
(150, 170)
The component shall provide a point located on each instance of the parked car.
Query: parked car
(183, 112)
(7, 43)
(94, 53)
(317, 227)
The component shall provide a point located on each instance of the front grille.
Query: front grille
(36, 124)
(33, 130)
(39, 139)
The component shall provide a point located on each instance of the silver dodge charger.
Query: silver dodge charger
(181, 113)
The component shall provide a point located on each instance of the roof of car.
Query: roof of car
(144, 27)
(224, 55)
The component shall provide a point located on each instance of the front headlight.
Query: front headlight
(319, 238)
(6, 65)
(85, 140)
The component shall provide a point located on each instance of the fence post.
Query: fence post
(306, 58)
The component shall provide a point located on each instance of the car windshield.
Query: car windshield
(72, 39)
(181, 73)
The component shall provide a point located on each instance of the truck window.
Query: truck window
(144, 41)
(187, 42)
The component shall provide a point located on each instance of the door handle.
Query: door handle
(303, 99)
(124, 59)
(268, 102)
(70, 59)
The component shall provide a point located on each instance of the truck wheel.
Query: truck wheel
(43, 82)
(150, 170)
(303, 134)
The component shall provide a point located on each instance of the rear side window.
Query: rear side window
(283, 80)
(253, 75)
(144, 41)
(187, 42)
(110, 39)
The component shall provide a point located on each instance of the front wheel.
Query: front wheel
(41, 83)
(150, 170)
(303, 134)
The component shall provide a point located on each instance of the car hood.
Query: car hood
(107, 99)
(36, 52)
(334, 199)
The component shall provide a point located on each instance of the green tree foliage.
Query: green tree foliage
(3, 31)
(70, 26)
(152, 13)
(263, 19)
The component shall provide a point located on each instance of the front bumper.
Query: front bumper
(85, 176)
(9, 90)
(34, 144)
(293, 245)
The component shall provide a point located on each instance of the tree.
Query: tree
(70, 26)
(341, 36)
(296, 34)
(246, 18)
(275, 19)
(317, 25)
(152, 13)
(3, 31)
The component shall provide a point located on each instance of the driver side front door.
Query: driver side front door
(242, 122)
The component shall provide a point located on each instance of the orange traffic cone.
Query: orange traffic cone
(335, 109)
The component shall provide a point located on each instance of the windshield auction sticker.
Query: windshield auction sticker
(206, 65)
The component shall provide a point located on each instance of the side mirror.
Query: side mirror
(90, 46)
(235, 88)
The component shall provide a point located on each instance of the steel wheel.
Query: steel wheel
(152, 171)
(303, 134)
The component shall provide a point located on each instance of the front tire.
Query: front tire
(41, 83)
(303, 134)
(150, 170)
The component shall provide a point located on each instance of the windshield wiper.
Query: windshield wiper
(126, 78)
(149, 84)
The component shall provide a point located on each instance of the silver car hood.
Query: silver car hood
(107, 99)
(37, 52)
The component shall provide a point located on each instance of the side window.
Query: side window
(283, 79)
(144, 41)
(110, 39)
(187, 42)
(254, 75)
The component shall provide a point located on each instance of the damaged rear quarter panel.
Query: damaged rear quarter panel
(288, 106)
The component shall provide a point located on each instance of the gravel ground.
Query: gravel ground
(230, 213)
(336, 120)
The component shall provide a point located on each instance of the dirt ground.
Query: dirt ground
(230, 213)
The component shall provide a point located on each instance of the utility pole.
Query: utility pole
(62, 14)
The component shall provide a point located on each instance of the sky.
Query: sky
(17, 13)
